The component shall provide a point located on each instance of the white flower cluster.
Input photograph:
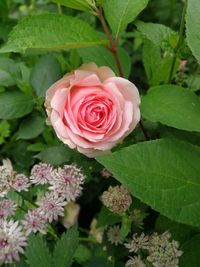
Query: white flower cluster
(161, 250)
(64, 185)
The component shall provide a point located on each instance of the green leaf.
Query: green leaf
(55, 155)
(162, 173)
(120, 13)
(45, 72)
(50, 32)
(37, 252)
(83, 5)
(193, 27)
(159, 34)
(66, 248)
(180, 232)
(31, 127)
(4, 131)
(9, 72)
(157, 68)
(106, 217)
(172, 105)
(190, 257)
(82, 254)
(102, 57)
(15, 105)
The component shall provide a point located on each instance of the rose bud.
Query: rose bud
(92, 110)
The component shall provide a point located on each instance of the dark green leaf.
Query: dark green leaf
(9, 72)
(172, 105)
(31, 127)
(15, 105)
(45, 72)
(190, 257)
(55, 155)
(106, 217)
(82, 254)
(162, 173)
(102, 57)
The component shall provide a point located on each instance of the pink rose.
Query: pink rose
(92, 110)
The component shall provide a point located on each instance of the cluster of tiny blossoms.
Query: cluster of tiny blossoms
(64, 185)
(161, 250)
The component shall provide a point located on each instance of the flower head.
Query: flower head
(135, 262)
(162, 251)
(41, 173)
(117, 199)
(7, 208)
(114, 235)
(51, 206)
(6, 176)
(34, 222)
(20, 183)
(92, 110)
(137, 242)
(12, 242)
(67, 182)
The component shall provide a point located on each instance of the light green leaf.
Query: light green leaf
(15, 105)
(193, 27)
(66, 248)
(31, 127)
(37, 253)
(172, 105)
(159, 34)
(102, 57)
(50, 32)
(55, 155)
(190, 257)
(120, 13)
(83, 5)
(82, 254)
(9, 72)
(162, 173)
(45, 72)
(157, 67)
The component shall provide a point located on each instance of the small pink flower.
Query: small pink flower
(20, 183)
(92, 110)
(41, 173)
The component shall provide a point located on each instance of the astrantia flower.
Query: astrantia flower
(7, 208)
(20, 183)
(114, 235)
(137, 242)
(92, 110)
(51, 206)
(41, 173)
(34, 222)
(12, 242)
(6, 176)
(67, 182)
(135, 262)
(117, 199)
(162, 251)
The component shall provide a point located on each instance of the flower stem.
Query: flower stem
(113, 49)
(180, 41)
(113, 44)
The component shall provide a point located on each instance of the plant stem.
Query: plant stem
(180, 40)
(113, 44)
(87, 239)
(113, 49)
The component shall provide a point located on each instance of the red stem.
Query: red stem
(113, 49)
